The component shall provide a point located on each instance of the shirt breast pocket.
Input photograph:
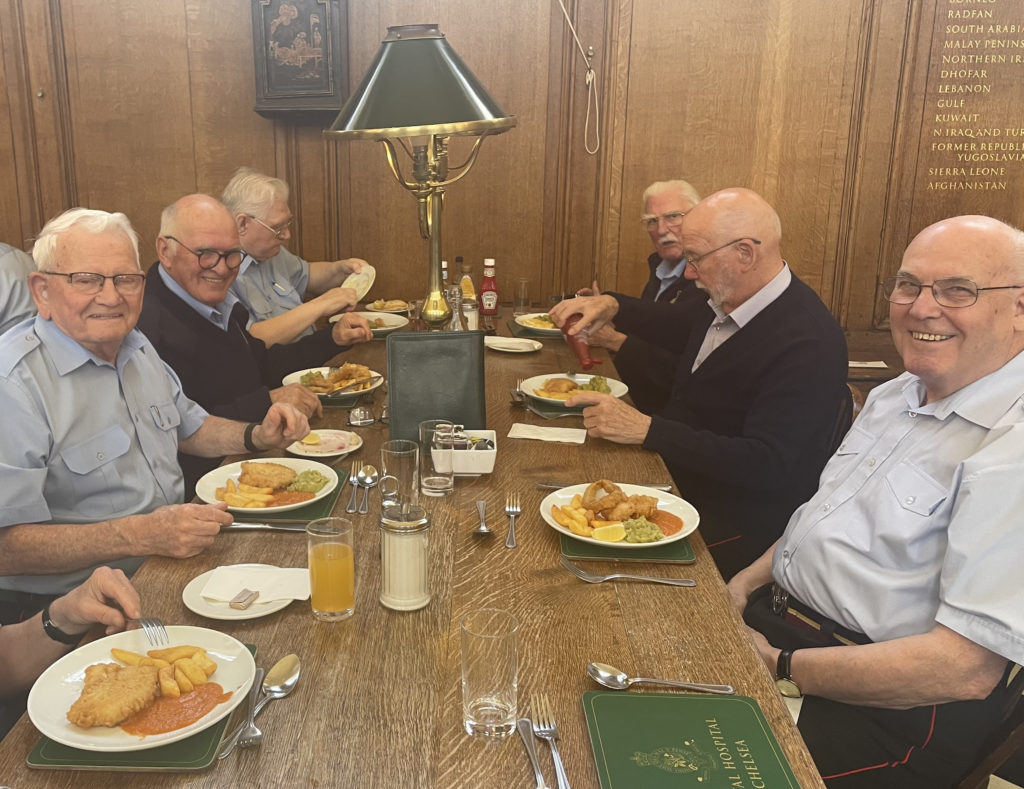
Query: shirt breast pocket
(856, 441)
(165, 415)
(99, 489)
(259, 305)
(914, 490)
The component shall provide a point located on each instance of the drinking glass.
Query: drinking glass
(399, 483)
(332, 575)
(489, 672)
(521, 297)
(436, 475)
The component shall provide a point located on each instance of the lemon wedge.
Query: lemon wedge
(312, 439)
(614, 533)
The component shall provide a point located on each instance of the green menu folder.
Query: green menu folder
(678, 552)
(190, 755)
(679, 740)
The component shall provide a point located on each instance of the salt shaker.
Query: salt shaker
(471, 310)
(404, 578)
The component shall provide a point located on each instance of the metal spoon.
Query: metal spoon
(279, 682)
(611, 677)
(361, 417)
(367, 478)
(483, 528)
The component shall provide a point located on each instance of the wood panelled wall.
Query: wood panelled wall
(127, 105)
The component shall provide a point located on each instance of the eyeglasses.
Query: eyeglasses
(672, 220)
(695, 261)
(210, 258)
(950, 292)
(89, 284)
(277, 231)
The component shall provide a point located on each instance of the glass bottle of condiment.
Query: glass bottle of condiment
(579, 343)
(466, 280)
(444, 273)
(489, 290)
(404, 571)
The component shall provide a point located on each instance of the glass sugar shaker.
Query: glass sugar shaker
(404, 572)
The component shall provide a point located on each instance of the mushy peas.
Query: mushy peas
(639, 530)
(169, 714)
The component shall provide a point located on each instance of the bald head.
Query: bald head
(735, 213)
(985, 246)
(191, 211)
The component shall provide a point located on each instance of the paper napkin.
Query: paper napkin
(868, 364)
(510, 343)
(562, 435)
(273, 583)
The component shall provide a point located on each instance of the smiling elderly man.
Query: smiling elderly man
(93, 421)
(898, 583)
(272, 281)
(760, 387)
(198, 327)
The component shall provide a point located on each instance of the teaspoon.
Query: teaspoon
(367, 477)
(611, 677)
(279, 682)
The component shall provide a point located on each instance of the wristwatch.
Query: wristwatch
(56, 633)
(783, 676)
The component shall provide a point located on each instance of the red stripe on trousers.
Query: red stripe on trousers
(723, 542)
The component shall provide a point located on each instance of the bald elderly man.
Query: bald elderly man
(198, 325)
(893, 601)
(761, 383)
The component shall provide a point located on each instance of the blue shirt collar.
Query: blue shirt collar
(219, 316)
(247, 260)
(68, 354)
(669, 273)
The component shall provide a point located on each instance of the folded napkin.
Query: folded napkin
(273, 583)
(868, 364)
(510, 343)
(563, 435)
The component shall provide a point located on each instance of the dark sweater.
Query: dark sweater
(747, 435)
(650, 371)
(229, 373)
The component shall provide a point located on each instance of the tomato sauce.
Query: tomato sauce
(667, 522)
(167, 714)
(283, 497)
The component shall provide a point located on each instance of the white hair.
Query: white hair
(681, 188)
(44, 251)
(251, 192)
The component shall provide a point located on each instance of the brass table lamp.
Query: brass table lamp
(418, 89)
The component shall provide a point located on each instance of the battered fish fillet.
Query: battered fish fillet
(112, 694)
(266, 475)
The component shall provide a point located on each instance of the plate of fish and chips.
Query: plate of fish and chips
(559, 388)
(539, 322)
(619, 515)
(278, 485)
(326, 381)
(389, 305)
(381, 324)
(126, 695)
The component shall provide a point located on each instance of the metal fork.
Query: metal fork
(544, 726)
(251, 735)
(355, 488)
(593, 578)
(512, 509)
(154, 629)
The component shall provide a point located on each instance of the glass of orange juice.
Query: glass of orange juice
(332, 577)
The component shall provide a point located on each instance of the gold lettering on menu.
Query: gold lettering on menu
(741, 768)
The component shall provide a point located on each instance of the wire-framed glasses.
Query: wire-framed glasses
(949, 292)
(89, 283)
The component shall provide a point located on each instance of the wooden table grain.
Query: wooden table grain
(379, 701)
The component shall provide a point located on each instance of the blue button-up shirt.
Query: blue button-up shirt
(219, 316)
(16, 302)
(669, 274)
(85, 440)
(272, 287)
(919, 517)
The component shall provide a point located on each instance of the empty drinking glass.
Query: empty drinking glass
(489, 672)
(436, 475)
(521, 297)
(399, 482)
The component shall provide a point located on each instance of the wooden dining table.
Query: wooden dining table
(379, 702)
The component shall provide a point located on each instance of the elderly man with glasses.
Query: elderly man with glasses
(894, 600)
(760, 396)
(93, 423)
(272, 282)
(197, 325)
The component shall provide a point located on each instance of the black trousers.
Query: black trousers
(857, 747)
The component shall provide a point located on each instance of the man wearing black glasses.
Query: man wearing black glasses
(199, 327)
(757, 401)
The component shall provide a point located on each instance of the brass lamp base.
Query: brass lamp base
(436, 312)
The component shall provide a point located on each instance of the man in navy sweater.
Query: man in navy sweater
(760, 393)
(198, 326)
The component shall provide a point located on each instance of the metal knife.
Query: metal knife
(558, 486)
(236, 526)
(525, 727)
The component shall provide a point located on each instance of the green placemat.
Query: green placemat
(667, 741)
(190, 755)
(678, 552)
(518, 330)
(317, 509)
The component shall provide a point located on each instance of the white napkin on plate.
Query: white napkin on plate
(273, 583)
(563, 435)
(513, 343)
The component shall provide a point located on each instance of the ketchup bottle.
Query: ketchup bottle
(489, 290)
(579, 342)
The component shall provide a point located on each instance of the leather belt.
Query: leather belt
(785, 605)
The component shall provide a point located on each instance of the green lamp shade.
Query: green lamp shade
(418, 86)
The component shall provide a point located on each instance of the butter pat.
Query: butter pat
(243, 599)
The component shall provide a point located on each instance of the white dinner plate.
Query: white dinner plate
(555, 332)
(215, 609)
(61, 684)
(681, 508)
(333, 444)
(361, 282)
(344, 399)
(530, 384)
(513, 344)
(392, 322)
(371, 308)
(206, 488)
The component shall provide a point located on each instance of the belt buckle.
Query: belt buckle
(780, 599)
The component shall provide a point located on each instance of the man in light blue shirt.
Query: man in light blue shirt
(15, 300)
(93, 421)
(272, 281)
(903, 570)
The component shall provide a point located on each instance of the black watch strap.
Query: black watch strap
(783, 669)
(56, 633)
(249, 445)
